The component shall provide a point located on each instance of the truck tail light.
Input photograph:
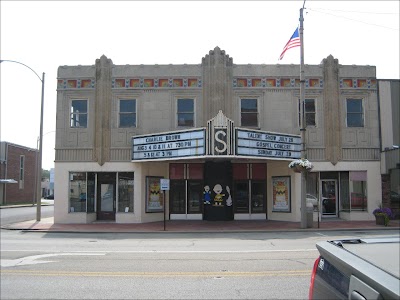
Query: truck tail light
(313, 274)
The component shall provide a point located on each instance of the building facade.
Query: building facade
(223, 134)
(18, 165)
(389, 104)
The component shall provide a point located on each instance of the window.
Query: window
(91, 184)
(127, 113)
(185, 112)
(21, 171)
(249, 112)
(358, 190)
(309, 111)
(79, 113)
(77, 192)
(125, 192)
(355, 115)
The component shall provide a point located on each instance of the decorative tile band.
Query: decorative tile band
(238, 82)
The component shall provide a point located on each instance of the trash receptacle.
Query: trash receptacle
(310, 215)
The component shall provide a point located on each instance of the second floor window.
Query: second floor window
(248, 112)
(355, 113)
(127, 113)
(79, 113)
(185, 112)
(309, 111)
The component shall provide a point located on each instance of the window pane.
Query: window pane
(354, 105)
(127, 120)
(241, 196)
(310, 119)
(176, 171)
(249, 119)
(127, 106)
(125, 192)
(196, 171)
(79, 106)
(185, 119)
(258, 171)
(344, 191)
(309, 105)
(77, 192)
(91, 177)
(249, 105)
(358, 195)
(239, 171)
(185, 105)
(355, 120)
(195, 196)
(177, 196)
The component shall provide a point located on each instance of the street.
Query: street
(25, 213)
(37, 265)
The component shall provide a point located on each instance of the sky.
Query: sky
(47, 34)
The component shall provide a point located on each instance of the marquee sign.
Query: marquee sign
(173, 144)
(267, 144)
(219, 139)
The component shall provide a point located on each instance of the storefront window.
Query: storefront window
(91, 183)
(344, 191)
(258, 197)
(177, 196)
(125, 192)
(241, 196)
(195, 196)
(312, 190)
(77, 192)
(358, 190)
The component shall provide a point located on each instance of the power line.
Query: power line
(316, 10)
(359, 12)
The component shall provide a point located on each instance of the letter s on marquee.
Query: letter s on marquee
(221, 141)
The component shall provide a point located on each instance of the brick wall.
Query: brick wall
(15, 192)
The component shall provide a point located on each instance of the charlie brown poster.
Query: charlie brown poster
(281, 194)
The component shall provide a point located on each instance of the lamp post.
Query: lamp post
(39, 164)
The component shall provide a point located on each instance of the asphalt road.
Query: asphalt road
(25, 213)
(37, 265)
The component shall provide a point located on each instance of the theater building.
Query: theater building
(222, 134)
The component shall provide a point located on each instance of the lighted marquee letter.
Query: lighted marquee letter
(220, 142)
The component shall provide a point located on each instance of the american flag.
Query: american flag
(293, 42)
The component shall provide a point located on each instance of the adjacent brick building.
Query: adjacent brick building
(17, 163)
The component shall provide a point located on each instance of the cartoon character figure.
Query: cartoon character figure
(219, 198)
(207, 195)
(229, 200)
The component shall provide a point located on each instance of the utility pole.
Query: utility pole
(303, 124)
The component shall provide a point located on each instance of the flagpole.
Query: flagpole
(303, 208)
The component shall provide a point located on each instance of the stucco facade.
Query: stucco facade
(94, 144)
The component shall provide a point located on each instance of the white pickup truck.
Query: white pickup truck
(358, 269)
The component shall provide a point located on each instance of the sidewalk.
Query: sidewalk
(188, 226)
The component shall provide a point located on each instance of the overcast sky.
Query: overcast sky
(47, 34)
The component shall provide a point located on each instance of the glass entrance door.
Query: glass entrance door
(106, 197)
(329, 203)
